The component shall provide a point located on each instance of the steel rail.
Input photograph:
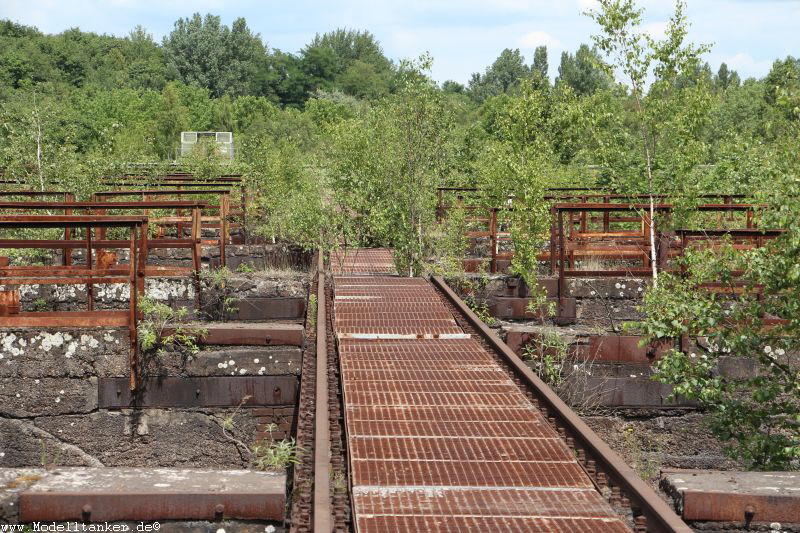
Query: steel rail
(322, 511)
(656, 516)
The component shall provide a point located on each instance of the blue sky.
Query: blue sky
(464, 36)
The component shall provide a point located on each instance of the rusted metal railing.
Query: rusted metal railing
(220, 221)
(89, 274)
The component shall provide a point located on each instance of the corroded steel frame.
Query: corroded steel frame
(133, 274)
(193, 243)
(221, 221)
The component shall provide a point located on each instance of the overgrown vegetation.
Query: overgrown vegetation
(270, 454)
(265, 454)
(219, 295)
(163, 328)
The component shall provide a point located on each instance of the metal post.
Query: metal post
(224, 210)
(89, 286)
(561, 274)
(196, 242)
(133, 312)
(493, 237)
(552, 240)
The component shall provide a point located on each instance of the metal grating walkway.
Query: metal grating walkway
(440, 439)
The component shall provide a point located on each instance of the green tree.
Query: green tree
(584, 71)
(387, 164)
(453, 87)
(726, 78)
(506, 72)
(519, 162)
(540, 68)
(350, 46)
(756, 412)
(144, 61)
(206, 53)
(172, 120)
(638, 56)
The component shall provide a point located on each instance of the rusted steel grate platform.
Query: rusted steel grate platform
(440, 438)
(361, 261)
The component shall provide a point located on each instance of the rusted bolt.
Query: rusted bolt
(86, 512)
(749, 514)
(197, 392)
(268, 339)
(219, 512)
(276, 394)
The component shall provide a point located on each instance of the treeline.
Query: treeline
(77, 99)
(200, 52)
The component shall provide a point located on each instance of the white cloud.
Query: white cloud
(656, 30)
(745, 63)
(539, 38)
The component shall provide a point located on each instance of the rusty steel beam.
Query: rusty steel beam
(155, 506)
(322, 514)
(250, 334)
(69, 221)
(67, 319)
(624, 349)
(659, 517)
(158, 192)
(137, 229)
(712, 506)
(72, 280)
(31, 194)
(165, 204)
(211, 391)
(222, 219)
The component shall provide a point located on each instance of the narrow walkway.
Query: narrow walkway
(440, 439)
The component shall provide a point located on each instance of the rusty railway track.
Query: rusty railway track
(303, 476)
(623, 488)
(320, 494)
(322, 497)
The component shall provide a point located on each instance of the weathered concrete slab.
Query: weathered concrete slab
(228, 361)
(614, 385)
(252, 334)
(270, 309)
(151, 437)
(117, 494)
(720, 496)
(26, 397)
(12, 482)
(56, 353)
(611, 288)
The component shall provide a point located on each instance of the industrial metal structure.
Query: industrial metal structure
(222, 140)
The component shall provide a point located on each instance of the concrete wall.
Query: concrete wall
(49, 389)
(49, 412)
